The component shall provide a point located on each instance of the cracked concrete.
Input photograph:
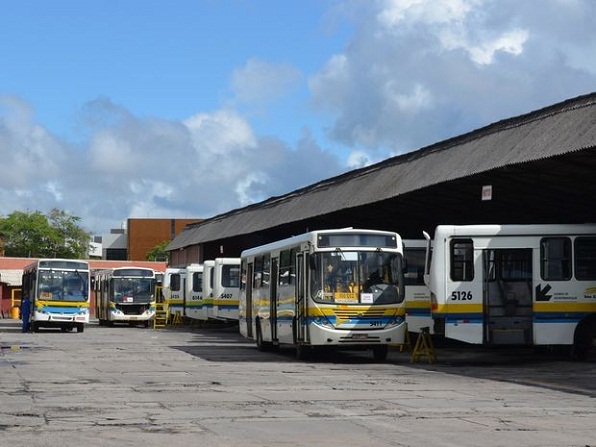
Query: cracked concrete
(130, 386)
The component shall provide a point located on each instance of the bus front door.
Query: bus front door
(273, 299)
(248, 302)
(507, 277)
(300, 311)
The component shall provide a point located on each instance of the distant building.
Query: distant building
(139, 237)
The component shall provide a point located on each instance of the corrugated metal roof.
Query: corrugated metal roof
(562, 128)
(11, 277)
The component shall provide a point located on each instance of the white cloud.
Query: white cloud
(207, 164)
(30, 155)
(419, 71)
(396, 12)
(414, 72)
(261, 81)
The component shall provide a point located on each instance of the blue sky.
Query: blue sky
(116, 109)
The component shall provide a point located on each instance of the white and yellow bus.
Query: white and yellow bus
(225, 288)
(125, 295)
(339, 289)
(207, 291)
(515, 284)
(174, 289)
(418, 314)
(59, 293)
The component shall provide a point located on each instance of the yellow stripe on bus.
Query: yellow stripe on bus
(62, 303)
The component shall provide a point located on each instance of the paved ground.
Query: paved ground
(126, 386)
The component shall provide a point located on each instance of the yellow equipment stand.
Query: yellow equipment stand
(424, 346)
(176, 319)
(160, 319)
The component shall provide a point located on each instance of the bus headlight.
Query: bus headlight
(323, 322)
(396, 320)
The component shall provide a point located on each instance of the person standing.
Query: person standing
(25, 313)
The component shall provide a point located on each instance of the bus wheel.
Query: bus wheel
(261, 345)
(35, 326)
(380, 353)
(146, 323)
(585, 339)
(80, 327)
(303, 352)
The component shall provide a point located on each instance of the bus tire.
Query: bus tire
(80, 327)
(303, 352)
(35, 326)
(380, 353)
(261, 345)
(585, 338)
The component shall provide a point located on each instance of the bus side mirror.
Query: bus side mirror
(427, 258)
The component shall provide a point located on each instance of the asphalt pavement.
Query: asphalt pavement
(207, 386)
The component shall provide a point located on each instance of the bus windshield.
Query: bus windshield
(357, 277)
(62, 285)
(133, 290)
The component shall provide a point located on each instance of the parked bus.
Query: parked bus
(208, 281)
(194, 303)
(225, 288)
(330, 288)
(125, 295)
(418, 313)
(59, 293)
(207, 291)
(174, 289)
(515, 284)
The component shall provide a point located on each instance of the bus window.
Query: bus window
(515, 265)
(414, 274)
(585, 258)
(462, 260)
(555, 258)
(197, 281)
(286, 267)
(175, 282)
(230, 276)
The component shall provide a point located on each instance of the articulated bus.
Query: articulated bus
(124, 295)
(59, 293)
(418, 313)
(330, 288)
(515, 284)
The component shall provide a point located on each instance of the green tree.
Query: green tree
(158, 253)
(37, 235)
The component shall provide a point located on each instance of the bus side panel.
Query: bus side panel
(245, 307)
(555, 320)
(225, 297)
(206, 311)
(464, 318)
(263, 313)
(286, 305)
(418, 308)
